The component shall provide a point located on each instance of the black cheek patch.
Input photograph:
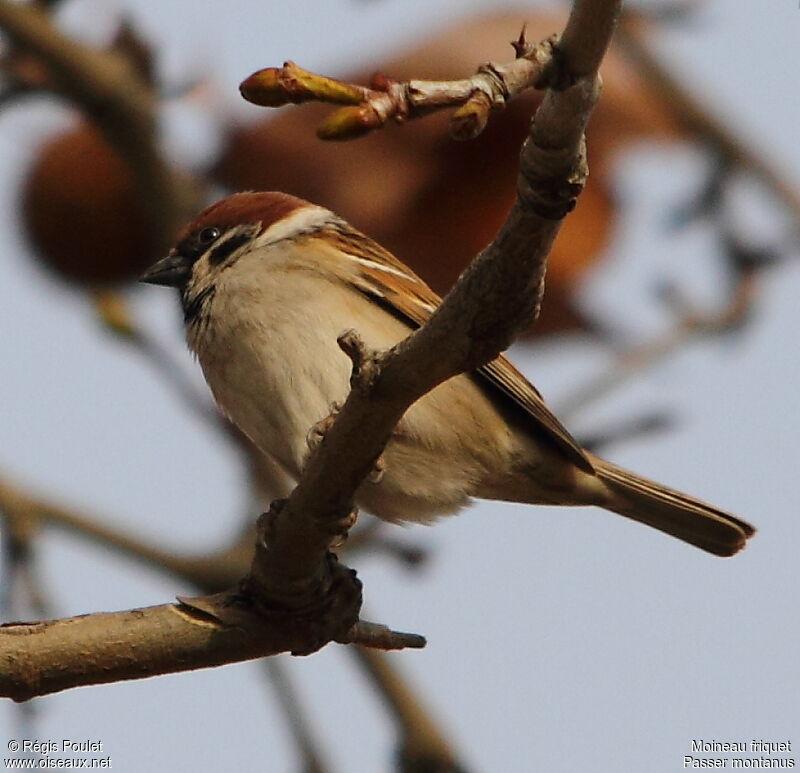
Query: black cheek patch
(229, 246)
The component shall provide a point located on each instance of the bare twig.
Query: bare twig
(554, 62)
(370, 108)
(105, 86)
(211, 573)
(113, 311)
(422, 745)
(689, 111)
(382, 638)
(690, 325)
(299, 727)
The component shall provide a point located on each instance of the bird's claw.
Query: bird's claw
(341, 528)
(318, 430)
(378, 468)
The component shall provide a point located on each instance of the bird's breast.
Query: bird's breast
(269, 352)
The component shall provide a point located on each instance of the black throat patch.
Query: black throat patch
(192, 306)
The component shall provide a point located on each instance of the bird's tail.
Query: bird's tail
(670, 511)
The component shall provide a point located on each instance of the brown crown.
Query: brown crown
(266, 207)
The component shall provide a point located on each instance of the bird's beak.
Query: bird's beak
(172, 271)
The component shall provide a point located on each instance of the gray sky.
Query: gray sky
(559, 640)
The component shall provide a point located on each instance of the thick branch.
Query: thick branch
(198, 633)
(39, 658)
(297, 596)
(422, 739)
(496, 297)
(587, 34)
(45, 657)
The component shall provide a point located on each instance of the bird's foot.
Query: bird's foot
(378, 468)
(341, 528)
(318, 430)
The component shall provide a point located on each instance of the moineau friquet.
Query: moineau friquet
(269, 281)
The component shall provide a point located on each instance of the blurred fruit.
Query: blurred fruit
(81, 212)
(80, 205)
(434, 201)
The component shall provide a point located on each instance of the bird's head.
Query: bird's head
(230, 228)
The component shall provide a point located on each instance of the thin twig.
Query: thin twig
(382, 637)
(690, 325)
(308, 747)
(689, 111)
(209, 573)
(422, 743)
(105, 86)
(370, 108)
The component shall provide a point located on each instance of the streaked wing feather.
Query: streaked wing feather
(380, 274)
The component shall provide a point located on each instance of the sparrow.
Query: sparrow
(269, 281)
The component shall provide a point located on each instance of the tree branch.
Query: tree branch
(492, 86)
(209, 573)
(553, 62)
(108, 90)
(495, 298)
(307, 745)
(690, 112)
(421, 737)
(690, 324)
(297, 596)
(422, 746)
(39, 658)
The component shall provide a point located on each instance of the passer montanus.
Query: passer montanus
(268, 281)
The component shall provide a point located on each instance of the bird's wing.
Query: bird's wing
(382, 276)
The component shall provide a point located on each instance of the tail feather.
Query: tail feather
(671, 511)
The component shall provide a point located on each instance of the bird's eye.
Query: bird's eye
(208, 235)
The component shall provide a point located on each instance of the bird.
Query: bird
(268, 282)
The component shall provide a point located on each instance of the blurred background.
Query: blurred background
(558, 640)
